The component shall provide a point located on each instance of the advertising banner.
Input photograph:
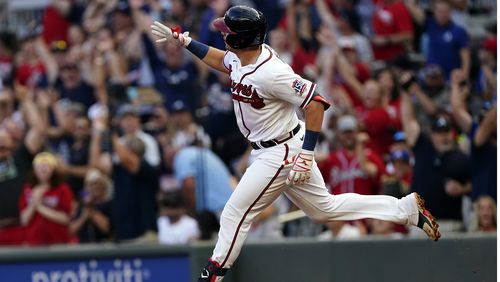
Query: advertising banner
(135, 269)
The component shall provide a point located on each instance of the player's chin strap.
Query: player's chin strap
(212, 272)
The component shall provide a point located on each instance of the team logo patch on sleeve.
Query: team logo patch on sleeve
(299, 86)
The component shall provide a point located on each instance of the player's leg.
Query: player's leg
(315, 200)
(261, 184)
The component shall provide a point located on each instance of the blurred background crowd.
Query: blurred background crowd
(107, 136)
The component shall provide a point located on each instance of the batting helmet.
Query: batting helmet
(244, 26)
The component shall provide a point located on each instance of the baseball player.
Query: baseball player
(266, 93)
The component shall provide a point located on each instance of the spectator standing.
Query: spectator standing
(78, 158)
(174, 225)
(206, 184)
(393, 29)
(16, 156)
(441, 172)
(352, 168)
(175, 78)
(482, 135)
(93, 220)
(136, 181)
(431, 95)
(46, 204)
(130, 125)
(204, 179)
(220, 123)
(448, 43)
(343, 23)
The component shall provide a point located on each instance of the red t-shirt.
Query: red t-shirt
(362, 74)
(43, 231)
(379, 125)
(30, 75)
(393, 18)
(342, 173)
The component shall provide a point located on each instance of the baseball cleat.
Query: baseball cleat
(426, 221)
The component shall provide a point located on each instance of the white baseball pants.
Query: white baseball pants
(264, 181)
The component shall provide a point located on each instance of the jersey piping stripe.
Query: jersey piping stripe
(309, 96)
(243, 120)
(251, 206)
(239, 104)
(223, 57)
(258, 66)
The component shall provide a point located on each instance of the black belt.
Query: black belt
(267, 144)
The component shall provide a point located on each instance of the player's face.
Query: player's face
(229, 48)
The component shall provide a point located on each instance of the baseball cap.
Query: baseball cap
(400, 155)
(347, 123)
(399, 136)
(127, 109)
(123, 7)
(490, 44)
(58, 46)
(179, 106)
(432, 70)
(440, 124)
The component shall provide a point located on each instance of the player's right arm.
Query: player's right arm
(211, 56)
(214, 58)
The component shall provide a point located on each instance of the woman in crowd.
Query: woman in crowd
(46, 204)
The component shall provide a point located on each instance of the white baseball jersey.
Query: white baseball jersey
(258, 92)
(266, 95)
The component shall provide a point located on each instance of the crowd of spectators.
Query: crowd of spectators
(108, 136)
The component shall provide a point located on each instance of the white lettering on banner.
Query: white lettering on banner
(122, 271)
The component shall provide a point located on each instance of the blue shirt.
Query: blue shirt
(430, 173)
(484, 170)
(212, 177)
(445, 43)
(175, 84)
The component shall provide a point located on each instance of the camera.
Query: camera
(407, 84)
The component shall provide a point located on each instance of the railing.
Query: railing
(457, 258)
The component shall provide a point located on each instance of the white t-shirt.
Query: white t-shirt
(181, 232)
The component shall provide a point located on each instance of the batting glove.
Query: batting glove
(301, 168)
(166, 34)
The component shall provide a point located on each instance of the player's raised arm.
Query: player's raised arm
(209, 55)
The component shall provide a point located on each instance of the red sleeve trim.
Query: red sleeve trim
(309, 96)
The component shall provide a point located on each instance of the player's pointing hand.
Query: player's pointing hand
(166, 34)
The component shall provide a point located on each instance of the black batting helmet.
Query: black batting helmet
(245, 27)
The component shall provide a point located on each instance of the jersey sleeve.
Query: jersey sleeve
(226, 59)
(292, 88)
